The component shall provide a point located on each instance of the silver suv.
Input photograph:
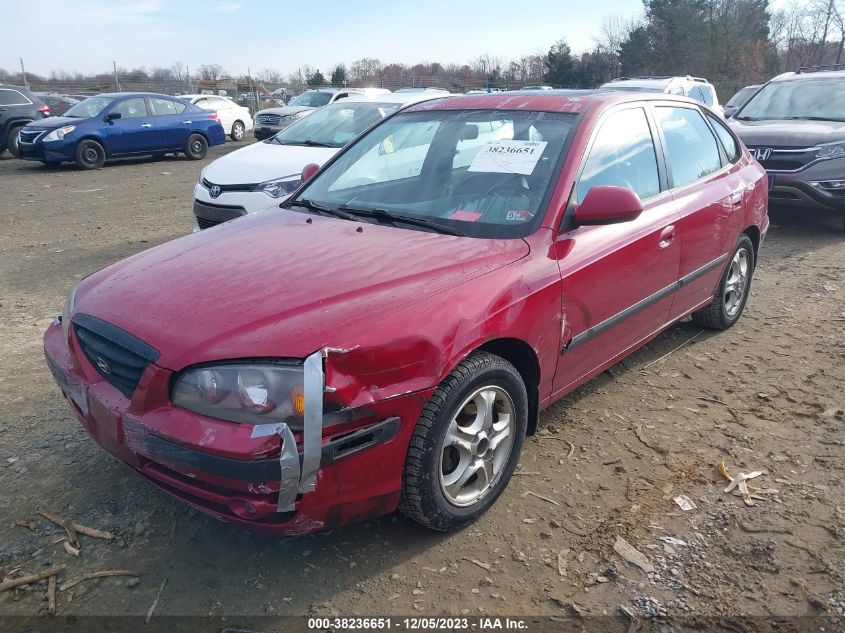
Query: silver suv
(795, 127)
(696, 88)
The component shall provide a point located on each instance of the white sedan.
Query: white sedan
(261, 175)
(236, 119)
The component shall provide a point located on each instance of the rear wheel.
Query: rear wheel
(466, 444)
(238, 130)
(732, 294)
(197, 147)
(12, 141)
(90, 155)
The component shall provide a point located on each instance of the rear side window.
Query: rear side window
(702, 94)
(12, 97)
(131, 108)
(622, 155)
(725, 138)
(691, 150)
(166, 106)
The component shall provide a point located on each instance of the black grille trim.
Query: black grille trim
(126, 356)
(224, 188)
(30, 136)
(204, 223)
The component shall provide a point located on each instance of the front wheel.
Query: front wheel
(197, 147)
(466, 444)
(90, 155)
(732, 294)
(12, 142)
(238, 130)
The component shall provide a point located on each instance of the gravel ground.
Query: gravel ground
(607, 463)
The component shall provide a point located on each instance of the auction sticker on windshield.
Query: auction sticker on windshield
(508, 157)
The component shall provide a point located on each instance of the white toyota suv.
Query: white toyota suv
(693, 87)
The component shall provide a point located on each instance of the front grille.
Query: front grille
(206, 224)
(224, 188)
(787, 159)
(30, 136)
(269, 119)
(117, 356)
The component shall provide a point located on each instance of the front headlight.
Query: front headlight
(68, 308)
(252, 393)
(833, 150)
(58, 135)
(280, 187)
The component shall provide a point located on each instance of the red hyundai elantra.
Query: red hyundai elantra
(388, 338)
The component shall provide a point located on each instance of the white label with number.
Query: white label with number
(508, 157)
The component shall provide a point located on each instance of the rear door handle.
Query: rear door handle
(187, 122)
(667, 236)
(146, 124)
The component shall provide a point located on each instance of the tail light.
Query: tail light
(214, 116)
(44, 109)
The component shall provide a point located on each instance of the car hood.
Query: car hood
(284, 110)
(54, 122)
(284, 284)
(789, 133)
(261, 161)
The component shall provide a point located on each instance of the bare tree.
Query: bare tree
(210, 71)
(269, 76)
(180, 73)
(366, 68)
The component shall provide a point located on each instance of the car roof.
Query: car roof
(810, 73)
(560, 100)
(115, 95)
(198, 96)
(390, 97)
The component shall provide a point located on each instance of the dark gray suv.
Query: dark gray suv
(795, 127)
(18, 106)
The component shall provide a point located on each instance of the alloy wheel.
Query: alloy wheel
(477, 446)
(736, 285)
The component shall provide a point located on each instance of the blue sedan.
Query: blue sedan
(118, 125)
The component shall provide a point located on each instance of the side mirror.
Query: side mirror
(608, 205)
(111, 116)
(308, 171)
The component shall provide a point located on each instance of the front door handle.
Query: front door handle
(187, 122)
(667, 236)
(146, 124)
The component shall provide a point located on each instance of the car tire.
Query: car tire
(238, 131)
(89, 154)
(459, 460)
(196, 147)
(12, 141)
(732, 294)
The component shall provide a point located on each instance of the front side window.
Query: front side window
(12, 97)
(166, 106)
(809, 99)
(622, 155)
(690, 147)
(131, 108)
(727, 139)
(482, 173)
(91, 107)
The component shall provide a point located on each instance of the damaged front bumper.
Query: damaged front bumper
(344, 465)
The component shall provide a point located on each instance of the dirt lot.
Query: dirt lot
(608, 461)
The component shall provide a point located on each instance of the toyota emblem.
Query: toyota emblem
(214, 191)
(761, 153)
(103, 365)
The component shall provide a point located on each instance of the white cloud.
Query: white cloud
(227, 7)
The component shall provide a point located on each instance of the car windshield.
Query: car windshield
(810, 99)
(335, 125)
(481, 173)
(311, 99)
(89, 108)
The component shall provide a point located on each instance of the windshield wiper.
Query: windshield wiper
(309, 143)
(811, 118)
(309, 204)
(385, 216)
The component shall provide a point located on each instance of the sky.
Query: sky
(87, 35)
